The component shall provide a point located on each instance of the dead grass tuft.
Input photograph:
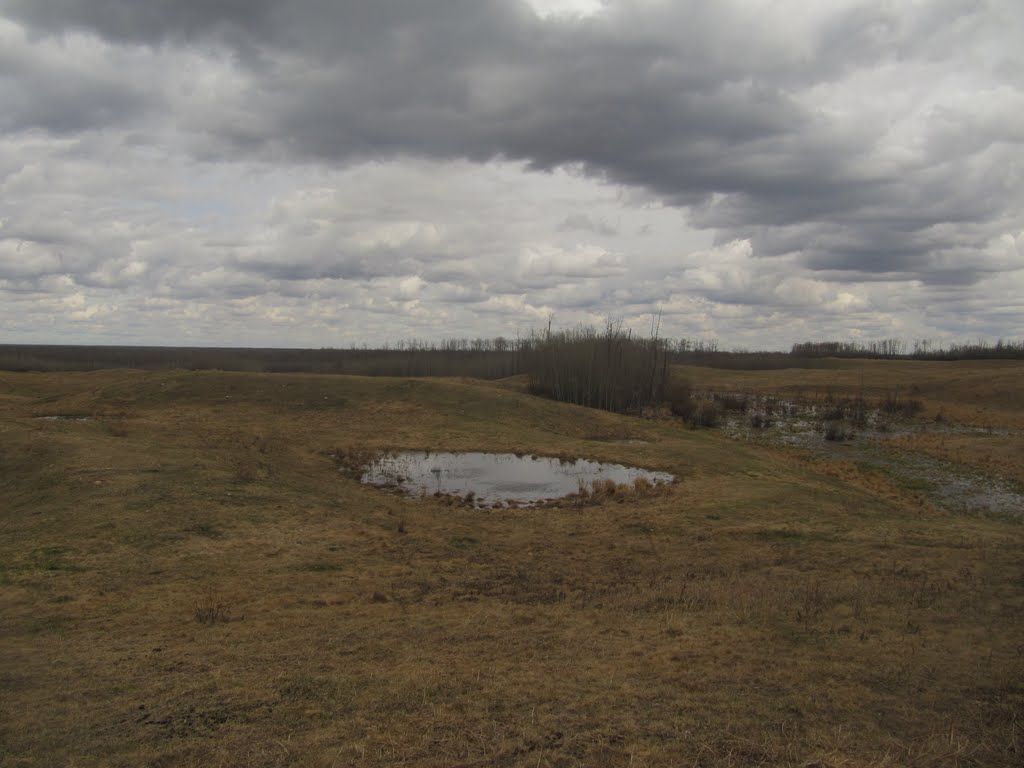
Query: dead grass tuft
(354, 459)
(209, 608)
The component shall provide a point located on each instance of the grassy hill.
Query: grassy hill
(186, 578)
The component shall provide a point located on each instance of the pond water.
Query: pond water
(498, 478)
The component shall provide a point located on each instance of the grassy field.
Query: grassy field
(186, 579)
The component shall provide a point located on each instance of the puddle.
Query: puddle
(61, 418)
(498, 478)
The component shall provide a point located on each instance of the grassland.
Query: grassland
(186, 579)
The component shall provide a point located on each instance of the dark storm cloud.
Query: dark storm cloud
(64, 88)
(331, 265)
(308, 27)
(719, 107)
(66, 106)
(144, 22)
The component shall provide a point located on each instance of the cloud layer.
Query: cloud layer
(305, 172)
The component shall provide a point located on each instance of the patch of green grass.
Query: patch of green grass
(319, 567)
(779, 534)
(638, 528)
(309, 689)
(207, 530)
(915, 484)
(51, 559)
(321, 403)
(47, 625)
(307, 696)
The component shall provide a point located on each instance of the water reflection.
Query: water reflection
(495, 478)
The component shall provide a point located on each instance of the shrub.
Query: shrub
(738, 403)
(912, 407)
(894, 406)
(679, 396)
(837, 431)
(835, 413)
(859, 411)
(696, 412)
(706, 414)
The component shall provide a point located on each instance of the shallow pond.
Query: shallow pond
(498, 478)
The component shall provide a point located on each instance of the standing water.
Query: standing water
(495, 478)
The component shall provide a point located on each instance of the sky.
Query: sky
(311, 173)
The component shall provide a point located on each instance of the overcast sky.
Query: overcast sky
(327, 172)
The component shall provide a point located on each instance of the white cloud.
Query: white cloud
(764, 172)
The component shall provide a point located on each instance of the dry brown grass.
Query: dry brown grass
(766, 610)
(995, 454)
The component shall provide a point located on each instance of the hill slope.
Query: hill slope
(187, 579)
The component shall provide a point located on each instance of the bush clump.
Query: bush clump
(695, 411)
(894, 406)
(705, 415)
(679, 396)
(738, 403)
(838, 431)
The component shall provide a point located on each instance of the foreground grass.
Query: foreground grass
(186, 579)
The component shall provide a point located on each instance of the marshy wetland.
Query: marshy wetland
(186, 578)
(874, 436)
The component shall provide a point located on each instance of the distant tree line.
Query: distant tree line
(611, 368)
(483, 361)
(922, 349)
